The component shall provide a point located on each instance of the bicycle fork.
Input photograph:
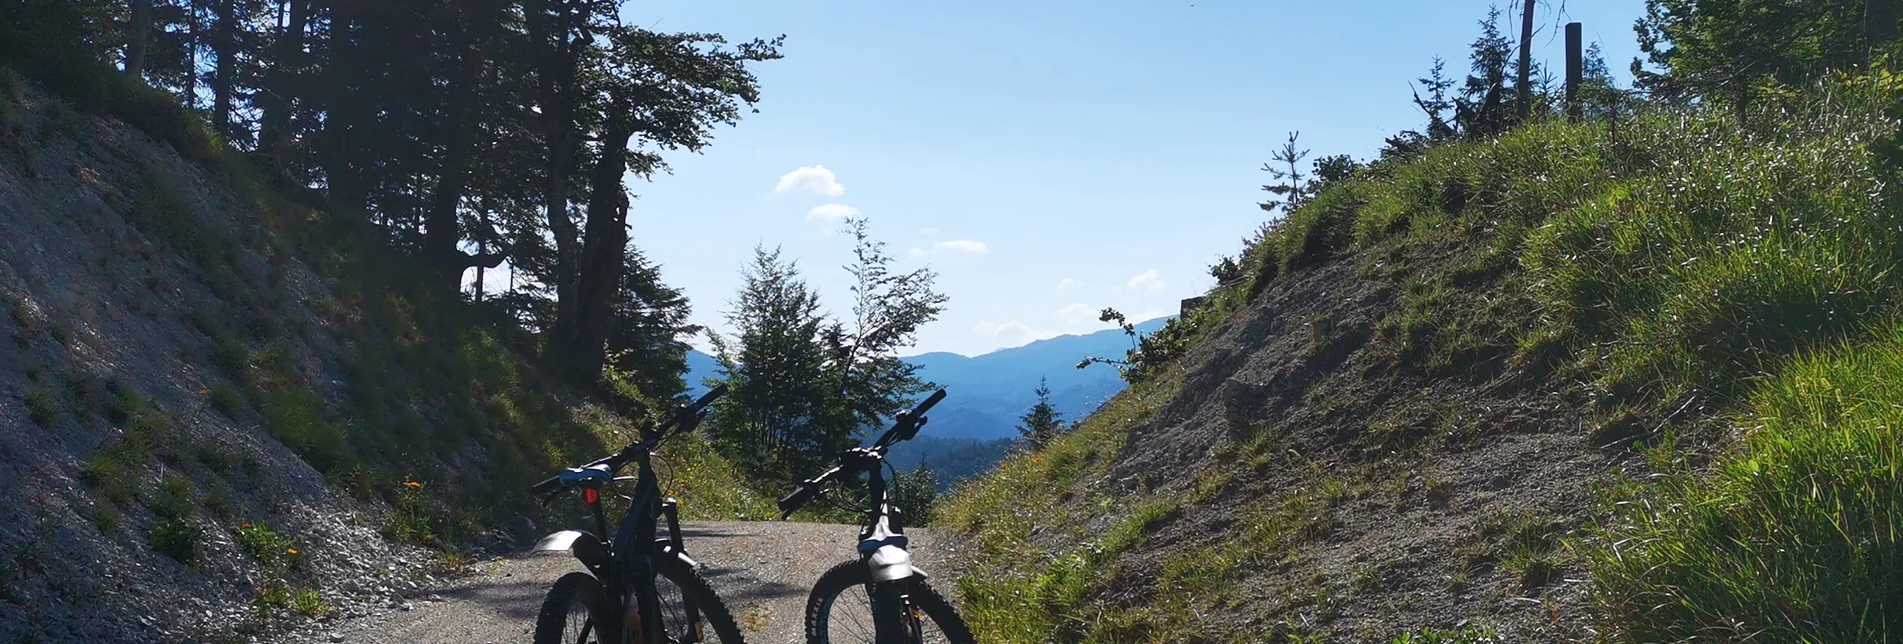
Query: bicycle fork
(676, 546)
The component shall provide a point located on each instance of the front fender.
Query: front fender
(586, 547)
(892, 563)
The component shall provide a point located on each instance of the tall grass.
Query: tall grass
(1796, 536)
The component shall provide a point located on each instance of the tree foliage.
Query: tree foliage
(1739, 52)
(915, 493)
(804, 387)
(469, 133)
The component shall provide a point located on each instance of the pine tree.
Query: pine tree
(1043, 422)
(1290, 193)
(1482, 107)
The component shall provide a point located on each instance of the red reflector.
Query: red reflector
(590, 495)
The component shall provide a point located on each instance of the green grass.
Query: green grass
(1682, 257)
(42, 407)
(275, 553)
(1468, 635)
(1028, 592)
(708, 487)
(227, 399)
(175, 535)
(1797, 535)
(117, 470)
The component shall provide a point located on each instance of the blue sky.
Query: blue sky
(1045, 158)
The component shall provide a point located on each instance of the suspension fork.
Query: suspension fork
(671, 510)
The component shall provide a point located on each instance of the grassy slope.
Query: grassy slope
(437, 393)
(1692, 279)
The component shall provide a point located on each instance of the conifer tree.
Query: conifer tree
(1043, 422)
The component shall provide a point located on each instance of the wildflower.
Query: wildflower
(202, 392)
(412, 484)
(292, 551)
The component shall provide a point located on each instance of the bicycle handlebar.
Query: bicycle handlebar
(904, 427)
(907, 423)
(694, 411)
(808, 491)
(929, 403)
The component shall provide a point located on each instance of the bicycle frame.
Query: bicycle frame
(625, 564)
(882, 542)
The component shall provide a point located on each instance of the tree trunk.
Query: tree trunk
(194, 34)
(343, 108)
(224, 46)
(442, 230)
(1524, 87)
(139, 35)
(561, 33)
(604, 251)
(278, 98)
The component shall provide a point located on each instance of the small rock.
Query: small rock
(336, 636)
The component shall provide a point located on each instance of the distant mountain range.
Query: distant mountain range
(988, 393)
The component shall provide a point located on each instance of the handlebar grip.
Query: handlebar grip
(798, 499)
(708, 398)
(929, 402)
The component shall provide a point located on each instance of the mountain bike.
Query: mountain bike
(640, 588)
(881, 585)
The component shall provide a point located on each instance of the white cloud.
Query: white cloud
(1078, 313)
(928, 231)
(1013, 328)
(966, 246)
(813, 177)
(1014, 332)
(1066, 283)
(1147, 281)
(832, 213)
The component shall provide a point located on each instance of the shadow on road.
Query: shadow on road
(513, 600)
(734, 583)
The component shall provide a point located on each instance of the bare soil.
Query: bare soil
(1452, 470)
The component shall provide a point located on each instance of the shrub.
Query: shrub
(273, 551)
(175, 538)
(226, 399)
(41, 407)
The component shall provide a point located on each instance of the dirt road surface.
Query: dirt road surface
(762, 571)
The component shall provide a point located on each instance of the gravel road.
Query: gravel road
(761, 569)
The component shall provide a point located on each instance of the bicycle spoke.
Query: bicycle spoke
(583, 629)
(674, 619)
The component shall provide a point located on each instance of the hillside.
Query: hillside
(227, 411)
(1577, 382)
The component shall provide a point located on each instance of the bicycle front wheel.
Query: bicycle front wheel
(690, 609)
(840, 611)
(576, 611)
